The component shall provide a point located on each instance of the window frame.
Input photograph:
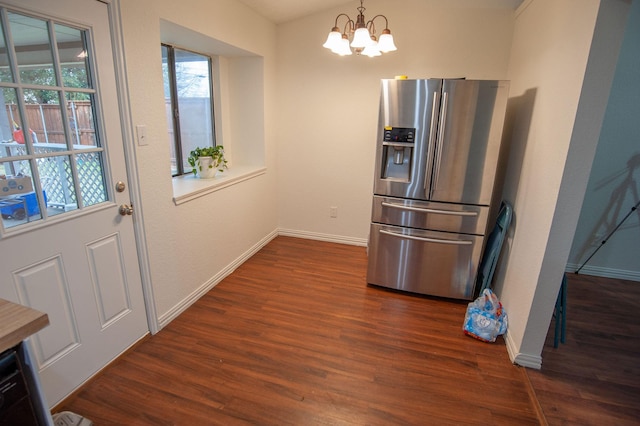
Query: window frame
(176, 143)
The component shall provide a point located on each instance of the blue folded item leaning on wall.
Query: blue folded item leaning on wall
(485, 318)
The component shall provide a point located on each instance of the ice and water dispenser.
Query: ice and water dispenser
(397, 153)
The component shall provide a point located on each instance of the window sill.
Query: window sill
(189, 187)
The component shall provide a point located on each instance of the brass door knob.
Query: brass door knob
(126, 210)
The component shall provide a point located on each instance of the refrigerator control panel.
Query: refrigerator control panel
(399, 134)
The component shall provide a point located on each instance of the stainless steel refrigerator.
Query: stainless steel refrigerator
(437, 152)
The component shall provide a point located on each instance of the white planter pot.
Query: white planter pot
(206, 168)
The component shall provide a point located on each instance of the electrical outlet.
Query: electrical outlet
(333, 211)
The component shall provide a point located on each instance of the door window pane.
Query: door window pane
(57, 180)
(5, 69)
(44, 129)
(90, 177)
(73, 56)
(19, 203)
(80, 107)
(11, 132)
(33, 49)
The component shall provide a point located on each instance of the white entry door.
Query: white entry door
(66, 247)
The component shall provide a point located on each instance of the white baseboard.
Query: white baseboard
(213, 281)
(524, 360)
(598, 271)
(323, 237)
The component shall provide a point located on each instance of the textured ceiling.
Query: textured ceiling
(280, 11)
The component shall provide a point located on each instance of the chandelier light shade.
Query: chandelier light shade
(342, 48)
(361, 38)
(360, 35)
(386, 44)
(373, 49)
(333, 40)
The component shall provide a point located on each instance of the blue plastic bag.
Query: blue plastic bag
(485, 318)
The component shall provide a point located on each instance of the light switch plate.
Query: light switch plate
(141, 133)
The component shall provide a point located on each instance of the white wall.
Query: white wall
(328, 105)
(616, 167)
(192, 244)
(560, 81)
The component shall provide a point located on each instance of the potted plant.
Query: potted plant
(208, 161)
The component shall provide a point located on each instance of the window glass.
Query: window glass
(91, 178)
(188, 99)
(41, 105)
(167, 76)
(57, 182)
(82, 128)
(18, 201)
(33, 49)
(11, 122)
(73, 55)
(5, 69)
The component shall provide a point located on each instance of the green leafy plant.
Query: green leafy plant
(215, 152)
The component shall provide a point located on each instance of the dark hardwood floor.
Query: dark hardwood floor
(295, 337)
(594, 378)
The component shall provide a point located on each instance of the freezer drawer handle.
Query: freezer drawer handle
(427, 240)
(427, 210)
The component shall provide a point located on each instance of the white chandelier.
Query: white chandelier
(364, 41)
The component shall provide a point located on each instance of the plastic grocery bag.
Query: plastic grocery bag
(485, 318)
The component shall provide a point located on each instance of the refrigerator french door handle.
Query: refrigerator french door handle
(427, 240)
(432, 137)
(440, 141)
(428, 210)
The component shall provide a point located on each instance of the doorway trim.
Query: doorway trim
(128, 138)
